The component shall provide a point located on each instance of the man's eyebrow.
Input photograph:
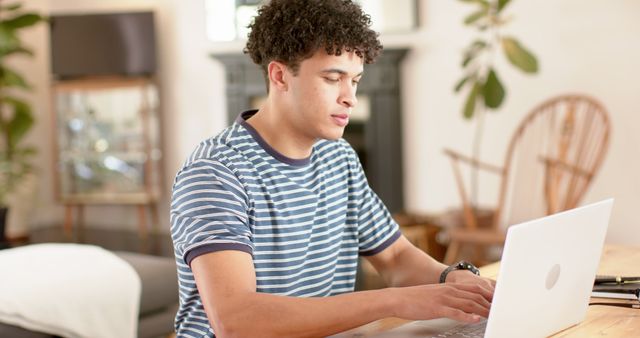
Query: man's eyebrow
(339, 71)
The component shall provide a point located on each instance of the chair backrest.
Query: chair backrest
(552, 158)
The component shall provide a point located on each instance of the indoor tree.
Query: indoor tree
(16, 116)
(485, 91)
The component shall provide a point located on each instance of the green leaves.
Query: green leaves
(461, 83)
(470, 104)
(475, 16)
(16, 118)
(519, 56)
(20, 50)
(21, 122)
(481, 13)
(11, 7)
(472, 51)
(502, 4)
(481, 2)
(481, 76)
(9, 78)
(22, 20)
(486, 4)
(9, 41)
(493, 91)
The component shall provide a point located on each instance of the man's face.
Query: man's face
(322, 94)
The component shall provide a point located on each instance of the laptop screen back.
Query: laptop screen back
(547, 271)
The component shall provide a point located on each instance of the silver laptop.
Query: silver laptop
(546, 274)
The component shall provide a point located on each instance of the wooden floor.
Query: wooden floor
(115, 240)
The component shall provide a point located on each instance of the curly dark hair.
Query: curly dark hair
(290, 31)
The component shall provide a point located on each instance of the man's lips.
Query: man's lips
(341, 119)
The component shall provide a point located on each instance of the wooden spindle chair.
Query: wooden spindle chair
(550, 163)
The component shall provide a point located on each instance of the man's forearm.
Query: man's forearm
(405, 265)
(266, 315)
(414, 267)
(235, 309)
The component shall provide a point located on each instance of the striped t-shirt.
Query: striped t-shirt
(304, 221)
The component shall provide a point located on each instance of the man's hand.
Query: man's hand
(467, 277)
(458, 301)
(418, 296)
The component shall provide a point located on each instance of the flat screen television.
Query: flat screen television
(103, 44)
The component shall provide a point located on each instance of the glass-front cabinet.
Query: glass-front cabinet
(107, 141)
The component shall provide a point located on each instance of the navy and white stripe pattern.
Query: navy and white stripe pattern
(303, 221)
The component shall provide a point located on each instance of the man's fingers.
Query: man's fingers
(489, 282)
(477, 289)
(487, 291)
(468, 298)
(470, 302)
(459, 315)
(469, 306)
(476, 298)
(471, 295)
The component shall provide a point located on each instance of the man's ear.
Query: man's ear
(278, 75)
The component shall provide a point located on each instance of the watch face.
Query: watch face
(463, 265)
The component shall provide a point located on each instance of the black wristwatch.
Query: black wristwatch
(461, 265)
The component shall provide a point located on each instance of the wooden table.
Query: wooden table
(603, 321)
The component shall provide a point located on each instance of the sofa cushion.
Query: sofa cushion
(159, 280)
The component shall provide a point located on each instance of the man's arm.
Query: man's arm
(227, 285)
(402, 264)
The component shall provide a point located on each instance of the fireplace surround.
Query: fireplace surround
(377, 138)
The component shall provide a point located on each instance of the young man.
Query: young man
(268, 218)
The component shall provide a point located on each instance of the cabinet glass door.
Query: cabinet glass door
(108, 144)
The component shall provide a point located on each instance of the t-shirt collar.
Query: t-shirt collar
(242, 120)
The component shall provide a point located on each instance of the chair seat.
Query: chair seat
(478, 236)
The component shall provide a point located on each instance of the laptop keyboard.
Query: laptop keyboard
(465, 330)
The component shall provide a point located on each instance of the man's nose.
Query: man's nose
(348, 97)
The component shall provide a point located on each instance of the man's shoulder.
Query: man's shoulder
(335, 149)
(223, 148)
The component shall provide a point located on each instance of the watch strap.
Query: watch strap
(461, 265)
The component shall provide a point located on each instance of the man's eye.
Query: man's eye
(329, 79)
(355, 82)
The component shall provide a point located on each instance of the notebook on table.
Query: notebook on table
(625, 290)
(544, 284)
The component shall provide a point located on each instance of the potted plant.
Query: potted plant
(485, 91)
(16, 116)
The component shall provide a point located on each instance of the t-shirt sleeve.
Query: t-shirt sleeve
(208, 211)
(376, 228)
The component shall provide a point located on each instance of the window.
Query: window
(227, 20)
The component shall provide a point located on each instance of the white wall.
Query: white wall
(193, 102)
(582, 46)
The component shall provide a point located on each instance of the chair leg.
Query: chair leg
(142, 221)
(480, 257)
(68, 220)
(452, 252)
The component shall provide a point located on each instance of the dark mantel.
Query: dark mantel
(379, 138)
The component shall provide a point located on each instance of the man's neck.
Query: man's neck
(280, 135)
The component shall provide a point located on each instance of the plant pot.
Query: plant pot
(21, 205)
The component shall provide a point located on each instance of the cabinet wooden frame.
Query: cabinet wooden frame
(143, 200)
